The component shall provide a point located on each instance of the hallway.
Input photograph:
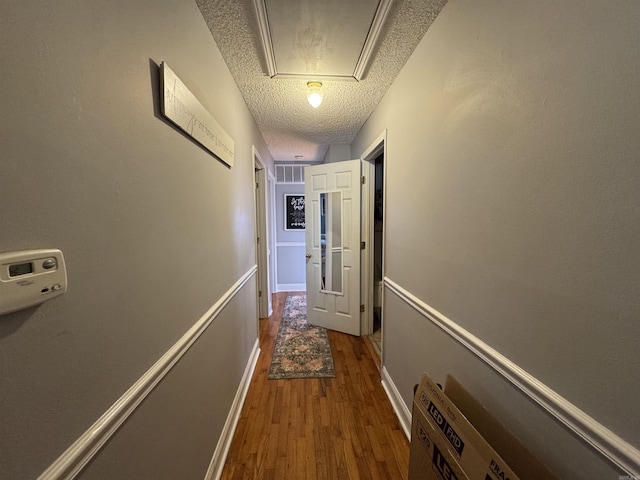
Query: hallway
(511, 224)
(334, 428)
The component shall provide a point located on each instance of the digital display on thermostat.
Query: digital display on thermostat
(20, 269)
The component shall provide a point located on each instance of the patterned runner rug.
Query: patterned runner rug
(301, 350)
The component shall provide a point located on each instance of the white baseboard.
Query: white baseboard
(224, 443)
(73, 460)
(402, 411)
(603, 440)
(291, 287)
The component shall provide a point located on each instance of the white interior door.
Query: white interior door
(332, 237)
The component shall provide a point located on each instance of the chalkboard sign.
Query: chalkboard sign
(294, 212)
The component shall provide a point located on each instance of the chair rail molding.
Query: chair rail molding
(79, 454)
(603, 440)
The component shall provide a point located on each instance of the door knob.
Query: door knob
(308, 255)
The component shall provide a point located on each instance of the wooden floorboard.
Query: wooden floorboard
(324, 429)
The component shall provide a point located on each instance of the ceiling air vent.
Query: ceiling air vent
(290, 173)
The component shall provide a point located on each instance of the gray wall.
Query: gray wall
(512, 209)
(337, 153)
(291, 267)
(153, 228)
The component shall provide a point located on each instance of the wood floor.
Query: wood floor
(325, 429)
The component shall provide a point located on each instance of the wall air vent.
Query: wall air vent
(290, 173)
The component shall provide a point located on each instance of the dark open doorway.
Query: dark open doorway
(378, 238)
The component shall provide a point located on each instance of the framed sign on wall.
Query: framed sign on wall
(181, 107)
(293, 212)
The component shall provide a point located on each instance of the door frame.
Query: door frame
(368, 158)
(271, 236)
(261, 235)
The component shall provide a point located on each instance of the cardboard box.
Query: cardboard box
(523, 462)
(444, 444)
(428, 457)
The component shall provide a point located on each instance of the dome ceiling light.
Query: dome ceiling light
(314, 94)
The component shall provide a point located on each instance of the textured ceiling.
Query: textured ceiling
(289, 125)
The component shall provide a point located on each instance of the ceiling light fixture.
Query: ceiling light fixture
(314, 94)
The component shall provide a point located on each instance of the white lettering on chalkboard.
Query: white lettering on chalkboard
(294, 212)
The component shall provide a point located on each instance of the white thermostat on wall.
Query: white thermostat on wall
(30, 277)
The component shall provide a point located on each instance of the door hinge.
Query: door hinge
(362, 245)
(258, 240)
(259, 293)
(361, 308)
(362, 180)
(257, 185)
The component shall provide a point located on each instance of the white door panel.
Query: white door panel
(332, 220)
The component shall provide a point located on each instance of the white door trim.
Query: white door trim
(378, 146)
(271, 236)
(260, 216)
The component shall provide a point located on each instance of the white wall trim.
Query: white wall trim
(271, 236)
(379, 145)
(372, 38)
(368, 157)
(402, 411)
(614, 448)
(291, 287)
(261, 222)
(224, 443)
(74, 459)
(265, 37)
(291, 244)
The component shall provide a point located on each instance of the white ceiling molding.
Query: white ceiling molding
(265, 36)
(372, 38)
(382, 11)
